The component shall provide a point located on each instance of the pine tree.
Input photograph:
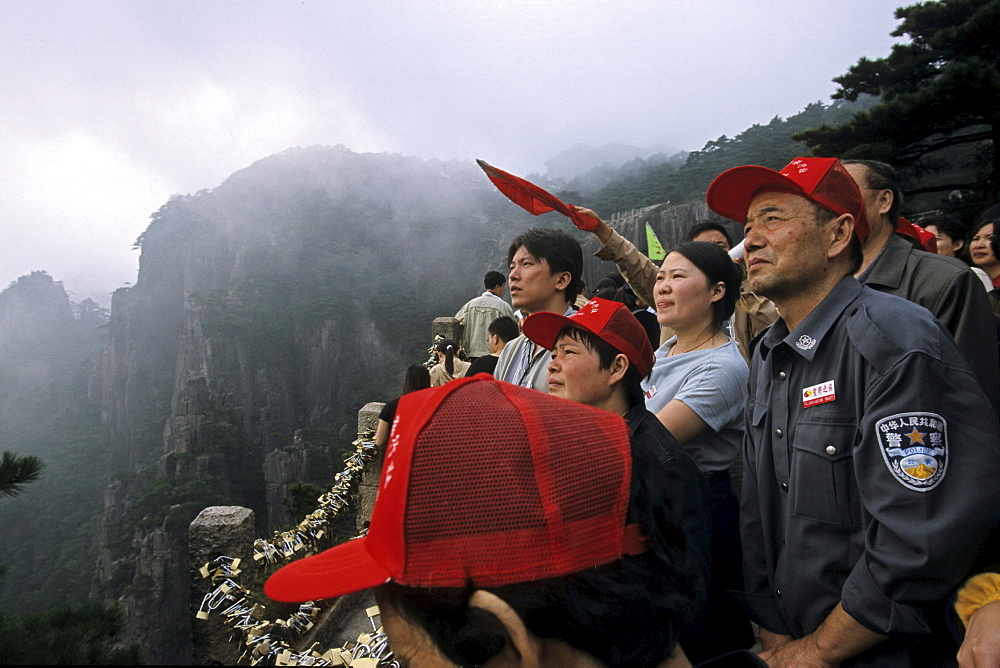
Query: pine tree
(938, 90)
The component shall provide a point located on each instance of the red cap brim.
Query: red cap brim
(732, 191)
(342, 569)
(544, 327)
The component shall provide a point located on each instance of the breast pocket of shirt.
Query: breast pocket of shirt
(822, 476)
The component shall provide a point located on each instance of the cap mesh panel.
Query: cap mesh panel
(511, 512)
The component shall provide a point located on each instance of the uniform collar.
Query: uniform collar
(808, 336)
(887, 269)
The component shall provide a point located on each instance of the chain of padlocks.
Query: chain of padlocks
(266, 642)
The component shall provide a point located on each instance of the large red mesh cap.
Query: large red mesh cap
(487, 483)
(610, 321)
(824, 181)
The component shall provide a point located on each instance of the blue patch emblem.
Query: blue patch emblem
(915, 448)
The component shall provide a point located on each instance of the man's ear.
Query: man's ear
(526, 645)
(619, 365)
(841, 231)
(563, 280)
(885, 198)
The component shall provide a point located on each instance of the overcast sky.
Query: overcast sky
(109, 108)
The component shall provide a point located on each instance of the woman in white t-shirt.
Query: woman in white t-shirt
(698, 391)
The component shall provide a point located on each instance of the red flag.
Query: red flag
(533, 199)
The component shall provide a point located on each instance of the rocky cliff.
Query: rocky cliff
(266, 312)
(276, 304)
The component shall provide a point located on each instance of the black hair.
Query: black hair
(493, 279)
(608, 293)
(995, 240)
(626, 296)
(561, 251)
(881, 176)
(605, 284)
(625, 613)
(606, 354)
(718, 267)
(617, 278)
(709, 225)
(416, 378)
(505, 328)
(952, 227)
(449, 347)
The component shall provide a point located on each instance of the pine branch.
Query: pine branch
(17, 471)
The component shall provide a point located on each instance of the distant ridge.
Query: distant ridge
(581, 158)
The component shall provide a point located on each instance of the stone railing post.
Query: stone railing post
(449, 328)
(218, 531)
(367, 488)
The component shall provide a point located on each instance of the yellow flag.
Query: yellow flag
(654, 250)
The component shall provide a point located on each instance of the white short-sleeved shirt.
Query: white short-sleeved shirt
(712, 383)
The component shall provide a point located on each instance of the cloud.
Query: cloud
(111, 106)
(74, 197)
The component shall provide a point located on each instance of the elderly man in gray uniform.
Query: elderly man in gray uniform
(871, 454)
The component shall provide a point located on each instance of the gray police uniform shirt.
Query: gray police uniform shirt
(712, 383)
(871, 463)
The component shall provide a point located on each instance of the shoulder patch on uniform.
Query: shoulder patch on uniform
(915, 448)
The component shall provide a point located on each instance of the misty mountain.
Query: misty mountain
(580, 159)
(49, 348)
(267, 311)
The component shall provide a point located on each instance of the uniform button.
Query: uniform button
(778, 433)
(778, 592)
(782, 375)
(830, 450)
(784, 486)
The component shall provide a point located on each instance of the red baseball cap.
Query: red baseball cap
(824, 181)
(609, 321)
(487, 483)
(913, 231)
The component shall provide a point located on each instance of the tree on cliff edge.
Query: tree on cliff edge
(939, 90)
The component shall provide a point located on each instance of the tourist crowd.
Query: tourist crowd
(784, 451)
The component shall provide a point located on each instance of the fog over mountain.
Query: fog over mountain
(113, 107)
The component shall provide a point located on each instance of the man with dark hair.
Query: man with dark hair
(942, 285)
(713, 233)
(538, 549)
(545, 269)
(502, 331)
(477, 314)
(869, 455)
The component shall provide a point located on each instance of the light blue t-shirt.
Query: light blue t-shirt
(712, 383)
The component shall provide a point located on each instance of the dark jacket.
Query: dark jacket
(686, 524)
(946, 288)
(871, 458)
